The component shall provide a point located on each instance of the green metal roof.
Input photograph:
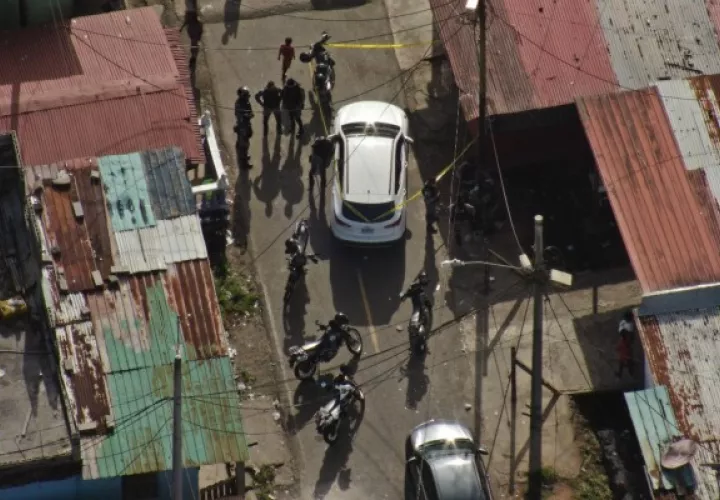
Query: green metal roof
(142, 439)
(655, 427)
(126, 191)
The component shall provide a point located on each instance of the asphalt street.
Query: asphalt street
(401, 391)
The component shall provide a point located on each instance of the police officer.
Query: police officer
(270, 98)
(243, 126)
(293, 100)
(322, 151)
(431, 195)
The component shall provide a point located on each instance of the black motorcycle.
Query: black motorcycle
(324, 73)
(329, 417)
(421, 318)
(296, 248)
(305, 359)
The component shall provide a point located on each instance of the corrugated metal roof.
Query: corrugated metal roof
(142, 440)
(50, 73)
(656, 39)
(83, 243)
(82, 372)
(655, 428)
(167, 182)
(136, 321)
(126, 190)
(665, 213)
(153, 248)
(682, 351)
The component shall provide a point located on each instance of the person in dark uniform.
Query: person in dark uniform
(243, 126)
(322, 153)
(293, 100)
(270, 98)
(431, 195)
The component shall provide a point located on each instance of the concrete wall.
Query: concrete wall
(75, 488)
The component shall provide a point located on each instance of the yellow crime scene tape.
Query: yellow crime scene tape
(380, 45)
(416, 195)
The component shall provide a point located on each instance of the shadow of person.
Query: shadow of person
(231, 18)
(241, 209)
(429, 264)
(308, 397)
(335, 463)
(418, 380)
(321, 120)
(292, 186)
(267, 185)
(294, 316)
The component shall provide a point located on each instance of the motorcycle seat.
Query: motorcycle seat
(311, 346)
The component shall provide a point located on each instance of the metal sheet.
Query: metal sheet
(142, 441)
(655, 427)
(667, 228)
(651, 40)
(169, 187)
(682, 352)
(89, 56)
(83, 374)
(126, 190)
(83, 244)
(152, 249)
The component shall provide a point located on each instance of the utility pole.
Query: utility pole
(177, 427)
(535, 477)
(482, 80)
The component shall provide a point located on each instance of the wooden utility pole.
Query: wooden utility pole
(177, 428)
(535, 476)
(513, 416)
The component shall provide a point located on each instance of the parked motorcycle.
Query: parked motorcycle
(421, 318)
(305, 359)
(324, 72)
(296, 248)
(329, 417)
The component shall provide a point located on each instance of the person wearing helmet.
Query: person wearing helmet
(243, 125)
(431, 195)
(417, 290)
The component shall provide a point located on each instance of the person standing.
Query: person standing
(322, 151)
(195, 32)
(293, 100)
(287, 53)
(243, 126)
(269, 98)
(625, 357)
(431, 195)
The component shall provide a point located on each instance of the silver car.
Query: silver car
(444, 463)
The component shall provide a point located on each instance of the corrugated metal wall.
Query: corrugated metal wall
(47, 11)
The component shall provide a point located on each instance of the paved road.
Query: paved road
(401, 392)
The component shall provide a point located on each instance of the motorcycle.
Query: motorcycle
(329, 417)
(420, 319)
(324, 74)
(298, 260)
(304, 359)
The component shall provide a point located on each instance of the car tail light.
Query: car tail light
(342, 223)
(396, 223)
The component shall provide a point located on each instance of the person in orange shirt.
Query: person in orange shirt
(287, 53)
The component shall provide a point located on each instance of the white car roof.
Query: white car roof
(371, 112)
(370, 169)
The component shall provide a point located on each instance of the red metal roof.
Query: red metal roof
(83, 243)
(666, 213)
(107, 84)
(538, 54)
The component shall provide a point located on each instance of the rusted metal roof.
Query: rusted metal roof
(142, 441)
(138, 320)
(682, 352)
(667, 213)
(60, 84)
(168, 184)
(83, 373)
(79, 241)
(542, 54)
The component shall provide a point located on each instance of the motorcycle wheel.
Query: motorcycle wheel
(330, 433)
(360, 394)
(305, 370)
(354, 342)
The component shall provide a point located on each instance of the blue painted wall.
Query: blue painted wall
(75, 488)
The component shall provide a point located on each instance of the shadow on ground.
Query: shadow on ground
(336, 4)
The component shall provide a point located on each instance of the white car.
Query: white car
(370, 187)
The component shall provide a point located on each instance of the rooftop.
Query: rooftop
(656, 150)
(33, 421)
(60, 84)
(541, 55)
(127, 276)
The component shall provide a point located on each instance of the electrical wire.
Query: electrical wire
(502, 187)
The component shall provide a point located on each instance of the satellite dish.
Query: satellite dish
(679, 453)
